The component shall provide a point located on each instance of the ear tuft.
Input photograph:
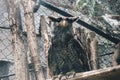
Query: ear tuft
(55, 19)
(52, 18)
(75, 18)
(72, 19)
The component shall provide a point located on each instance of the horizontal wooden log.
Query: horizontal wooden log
(84, 24)
(111, 73)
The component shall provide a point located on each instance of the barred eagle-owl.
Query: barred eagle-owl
(65, 53)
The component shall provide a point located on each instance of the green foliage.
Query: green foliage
(80, 4)
(98, 10)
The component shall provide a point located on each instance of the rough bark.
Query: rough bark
(111, 73)
(116, 55)
(20, 54)
(32, 40)
(83, 39)
(93, 50)
(44, 35)
(89, 42)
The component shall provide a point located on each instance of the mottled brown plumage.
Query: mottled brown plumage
(65, 53)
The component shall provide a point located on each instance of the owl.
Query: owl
(65, 54)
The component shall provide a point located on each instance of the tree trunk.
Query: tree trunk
(84, 40)
(89, 42)
(44, 34)
(93, 50)
(32, 40)
(116, 55)
(20, 54)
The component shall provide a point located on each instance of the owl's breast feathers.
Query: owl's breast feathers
(67, 57)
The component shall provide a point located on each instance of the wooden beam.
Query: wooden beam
(20, 54)
(116, 55)
(32, 39)
(111, 73)
(84, 24)
(46, 43)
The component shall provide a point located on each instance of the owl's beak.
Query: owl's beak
(64, 23)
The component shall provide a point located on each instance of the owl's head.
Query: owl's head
(63, 21)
